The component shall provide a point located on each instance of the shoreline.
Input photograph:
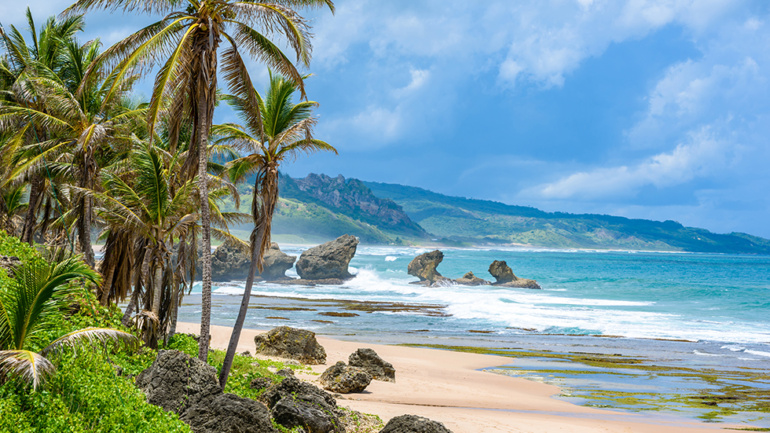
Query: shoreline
(450, 387)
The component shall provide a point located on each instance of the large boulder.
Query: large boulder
(414, 424)
(9, 264)
(471, 280)
(229, 261)
(276, 263)
(424, 267)
(189, 387)
(294, 403)
(229, 413)
(377, 367)
(329, 260)
(504, 276)
(345, 379)
(292, 343)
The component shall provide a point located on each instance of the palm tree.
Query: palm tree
(41, 292)
(275, 129)
(191, 31)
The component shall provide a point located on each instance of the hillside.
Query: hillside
(483, 221)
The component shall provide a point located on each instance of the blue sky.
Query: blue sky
(640, 108)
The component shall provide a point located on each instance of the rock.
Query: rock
(260, 383)
(377, 367)
(345, 379)
(176, 382)
(471, 280)
(355, 421)
(329, 260)
(505, 277)
(424, 267)
(9, 264)
(228, 413)
(285, 372)
(230, 261)
(295, 403)
(291, 343)
(189, 387)
(276, 263)
(413, 424)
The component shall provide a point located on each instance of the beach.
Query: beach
(449, 387)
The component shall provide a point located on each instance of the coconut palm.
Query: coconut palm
(40, 293)
(190, 34)
(275, 129)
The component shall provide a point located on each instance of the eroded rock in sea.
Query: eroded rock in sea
(292, 343)
(471, 280)
(504, 276)
(294, 403)
(424, 267)
(414, 424)
(276, 263)
(377, 367)
(189, 387)
(345, 379)
(231, 261)
(329, 260)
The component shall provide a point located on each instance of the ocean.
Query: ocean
(686, 311)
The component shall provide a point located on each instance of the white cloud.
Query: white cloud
(418, 79)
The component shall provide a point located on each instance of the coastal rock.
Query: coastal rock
(291, 343)
(471, 280)
(424, 267)
(345, 379)
(229, 413)
(229, 261)
(294, 403)
(260, 383)
(369, 361)
(414, 424)
(276, 263)
(329, 260)
(177, 382)
(355, 421)
(505, 277)
(9, 264)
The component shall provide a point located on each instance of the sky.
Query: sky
(656, 109)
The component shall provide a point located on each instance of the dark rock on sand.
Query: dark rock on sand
(345, 379)
(294, 403)
(471, 280)
(260, 383)
(291, 343)
(377, 367)
(424, 267)
(329, 260)
(9, 264)
(285, 372)
(505, 277)
(414, 424)
(189, 387)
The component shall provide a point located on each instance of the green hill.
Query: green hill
(482, 221)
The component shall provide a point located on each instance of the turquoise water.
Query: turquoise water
(689, 313)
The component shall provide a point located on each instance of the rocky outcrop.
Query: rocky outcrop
(329, 260)
(9, 264)
(292, 343)
(189, 387)
(294, 403)
(276, 263)
(345, 379)
(471, 280)
(505, 277)
(413, 424)
(368, 360)
(424, 267)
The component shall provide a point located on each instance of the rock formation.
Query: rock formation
(9, 264)
(276, 263)
(424, 267)
(471, 280)
(291, 343)
(231, 262)
(377, 367)
(505, 277)
(189, 387)
(414, 424)
(345, 379)
(294, 403)
(329, 260)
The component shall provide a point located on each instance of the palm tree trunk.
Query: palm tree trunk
(126, 320)
(256, 255)
(203, 188)
(84, 232)
(35, 194)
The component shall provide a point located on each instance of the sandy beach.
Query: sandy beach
(448, 387)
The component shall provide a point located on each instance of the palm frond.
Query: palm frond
(90, 336)
(26, 366)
